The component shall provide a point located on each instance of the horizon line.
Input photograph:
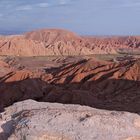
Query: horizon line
(20, 32)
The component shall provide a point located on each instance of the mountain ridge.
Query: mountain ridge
(48, 42)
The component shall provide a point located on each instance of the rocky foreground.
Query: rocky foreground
(31, 120)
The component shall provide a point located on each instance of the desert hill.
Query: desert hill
(112, 45)
(48, 42)
(92, 69)
(51, 36)
(100, 84)
(43, 43)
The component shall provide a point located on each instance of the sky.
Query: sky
(85, 17)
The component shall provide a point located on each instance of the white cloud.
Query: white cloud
(43, 5)
(30, 7)
(24, 8)
(64, 2)
(40, 5)
(128, 3)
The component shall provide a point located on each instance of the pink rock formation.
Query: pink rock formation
(112, 45)
(44, 42)
(61, 42)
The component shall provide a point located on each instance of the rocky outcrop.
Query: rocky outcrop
(31, 120)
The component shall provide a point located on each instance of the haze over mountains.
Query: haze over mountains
(61, 42)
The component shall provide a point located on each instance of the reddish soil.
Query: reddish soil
(101, 84)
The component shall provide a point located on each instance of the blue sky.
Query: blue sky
(86, 17)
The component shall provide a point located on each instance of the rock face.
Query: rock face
(100, 84)
(32, 120)
(61, 42)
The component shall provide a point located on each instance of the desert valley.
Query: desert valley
(57, 85)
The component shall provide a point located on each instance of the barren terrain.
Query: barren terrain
(58, 66)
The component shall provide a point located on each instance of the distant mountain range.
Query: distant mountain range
(48, 42)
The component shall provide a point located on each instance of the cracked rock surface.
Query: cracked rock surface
(31, 120)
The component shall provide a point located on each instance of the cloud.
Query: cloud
(63, 2)
(24, 8)
(127, 4)
(32, 6)
(43, 5)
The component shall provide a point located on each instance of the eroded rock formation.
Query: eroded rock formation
(106, 85)
(48, 42)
